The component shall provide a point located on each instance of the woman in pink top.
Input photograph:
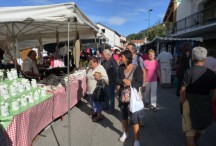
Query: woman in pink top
(116, 55)
(152, 70)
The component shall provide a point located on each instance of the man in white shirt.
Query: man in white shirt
(165, 60)
(29, 65)
(7, 57)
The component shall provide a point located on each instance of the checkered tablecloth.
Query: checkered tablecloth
(25, 126)
(77, 90)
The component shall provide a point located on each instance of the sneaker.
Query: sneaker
(136, 143)
(123, 137)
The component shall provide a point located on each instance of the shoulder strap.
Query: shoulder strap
(138, 60)
(134, 67)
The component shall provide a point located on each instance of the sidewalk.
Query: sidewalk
(162, 128)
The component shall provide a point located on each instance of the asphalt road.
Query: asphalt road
(162, 128)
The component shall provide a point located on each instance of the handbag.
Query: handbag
(126, 92)
(99, 93)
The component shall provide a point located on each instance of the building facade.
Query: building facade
(113, 38)
(192, 18)
(138, 43)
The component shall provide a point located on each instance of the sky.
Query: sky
(123, 16)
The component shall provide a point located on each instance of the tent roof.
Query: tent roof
(175, 39)
(34, 22)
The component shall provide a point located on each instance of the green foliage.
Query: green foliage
(156, 30)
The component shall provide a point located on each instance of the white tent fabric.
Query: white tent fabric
(29, 23)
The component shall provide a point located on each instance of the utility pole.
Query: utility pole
(149, 11)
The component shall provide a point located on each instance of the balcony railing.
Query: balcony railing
(201, 18)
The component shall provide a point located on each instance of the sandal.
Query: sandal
(97, 119)
(93, 115)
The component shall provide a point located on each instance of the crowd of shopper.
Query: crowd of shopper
(125, 69)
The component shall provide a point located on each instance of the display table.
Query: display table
(26, 125)
(5, 121)
(78, 89)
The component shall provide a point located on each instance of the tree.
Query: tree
(156, 30)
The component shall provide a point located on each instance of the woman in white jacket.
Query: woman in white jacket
(97, 72)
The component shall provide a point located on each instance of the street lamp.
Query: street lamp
(149, 11)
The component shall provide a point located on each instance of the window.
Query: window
(103, 30)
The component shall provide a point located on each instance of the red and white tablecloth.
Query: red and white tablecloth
(78, 89)
(25, 126)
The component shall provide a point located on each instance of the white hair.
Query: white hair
(107, 52)
(199, 54)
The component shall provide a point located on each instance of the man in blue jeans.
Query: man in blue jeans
(110, 66)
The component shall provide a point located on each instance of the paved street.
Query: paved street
(161, 129)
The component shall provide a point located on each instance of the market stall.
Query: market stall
(29, 26)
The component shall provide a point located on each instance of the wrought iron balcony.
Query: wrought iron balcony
(201, 18)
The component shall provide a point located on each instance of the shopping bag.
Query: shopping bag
(136, 103)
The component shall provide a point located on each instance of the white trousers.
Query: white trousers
(150, 93)
(165, 74)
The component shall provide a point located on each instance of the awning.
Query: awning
(164, 39)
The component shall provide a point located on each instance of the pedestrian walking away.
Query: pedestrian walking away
(165, 60)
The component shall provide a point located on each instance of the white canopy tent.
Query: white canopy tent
(30, 23)
(29, 26)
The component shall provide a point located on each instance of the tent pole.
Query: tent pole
(158, 47)
(14, 47)
(68, 86)
(97, 46)
(96, 41)
(14, 52)
(40, 54)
